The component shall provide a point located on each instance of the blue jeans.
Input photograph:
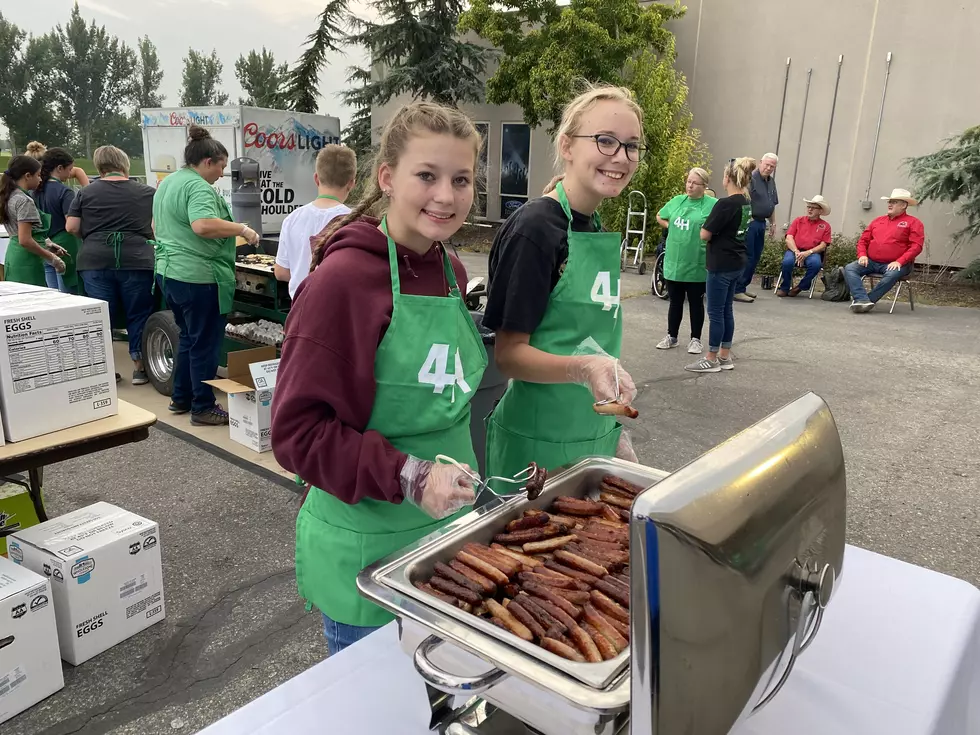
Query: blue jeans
(721, 316)
(55, 280)
(854, 274)
(202, 331)
(340, 635)
(755, 240)
(131, 290)
(812, 263)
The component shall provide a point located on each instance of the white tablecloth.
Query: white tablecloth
(898, 654)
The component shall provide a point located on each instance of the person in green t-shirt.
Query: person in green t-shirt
(195, 268)
(684, 270)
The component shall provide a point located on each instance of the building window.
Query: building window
(480, 209)
(515, 160)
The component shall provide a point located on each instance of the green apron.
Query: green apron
(23, 266)
(427, 368)
(70, 243)
(222, 264)
(555, 424)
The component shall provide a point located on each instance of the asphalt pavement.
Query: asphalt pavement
(903, 389)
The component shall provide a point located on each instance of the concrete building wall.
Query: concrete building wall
(737, 88)
(734, 56)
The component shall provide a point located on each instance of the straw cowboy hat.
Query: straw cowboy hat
(820, 202)
(904, 195)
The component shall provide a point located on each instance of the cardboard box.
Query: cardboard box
(250, 385)
(30, 667)
(16, 509)
(56, 365)
(106, 578)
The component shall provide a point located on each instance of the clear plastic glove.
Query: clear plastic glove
(55, 248)
(251, 236)
(439, 490)
(625, 450)
(57, 263)
(597, 370)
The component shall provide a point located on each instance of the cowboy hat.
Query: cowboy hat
(820, 202)
(904, 195)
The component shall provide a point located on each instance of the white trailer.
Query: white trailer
(284, 143)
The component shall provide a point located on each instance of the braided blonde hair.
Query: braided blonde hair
(408, 122)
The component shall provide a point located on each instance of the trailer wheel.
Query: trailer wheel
(160, 339)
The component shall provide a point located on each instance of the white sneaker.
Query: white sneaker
(666, 343)
(695, 347)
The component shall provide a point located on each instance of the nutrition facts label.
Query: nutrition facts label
(54, 355)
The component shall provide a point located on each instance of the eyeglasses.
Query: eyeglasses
(609, 145)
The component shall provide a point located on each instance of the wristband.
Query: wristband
(242, 233)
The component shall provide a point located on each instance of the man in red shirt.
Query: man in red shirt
(887, 248)
(806, 242)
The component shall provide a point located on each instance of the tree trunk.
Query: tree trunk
(88, 143)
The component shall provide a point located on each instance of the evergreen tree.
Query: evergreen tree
(301, 89)
(952, 174)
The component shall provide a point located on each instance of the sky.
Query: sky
(231, 27)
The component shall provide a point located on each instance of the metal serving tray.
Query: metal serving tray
(389, 583)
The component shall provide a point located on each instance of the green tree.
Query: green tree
(952, 174)
(122, 131)
(95, 74)
(547, 46)
(674, 146)
(149, 75)
(26, 78)
(202, 77)
(415, 50)
(330, 36)
(262, 79)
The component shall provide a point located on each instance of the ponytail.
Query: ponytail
(553, 184)
(52, 159)
(319, 242)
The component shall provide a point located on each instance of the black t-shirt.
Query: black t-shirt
(728, 223)
(526, 261)
(115, 206)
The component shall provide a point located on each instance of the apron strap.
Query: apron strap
(396, 284)
(563, 201)
(115, 241)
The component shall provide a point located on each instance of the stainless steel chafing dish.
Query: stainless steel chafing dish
(733, 560)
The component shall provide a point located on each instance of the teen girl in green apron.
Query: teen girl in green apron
(25, 224)
(562, 352)
(375, 487)
(54, 197)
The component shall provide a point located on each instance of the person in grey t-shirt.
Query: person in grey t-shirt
(114, 216)
(765, 199)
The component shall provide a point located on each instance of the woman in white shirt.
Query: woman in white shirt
(336, 167)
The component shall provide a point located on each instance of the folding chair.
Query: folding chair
(813, 283)
(898, 289)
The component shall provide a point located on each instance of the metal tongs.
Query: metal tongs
(483, 485)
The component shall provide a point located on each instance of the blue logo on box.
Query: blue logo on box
(83, 568)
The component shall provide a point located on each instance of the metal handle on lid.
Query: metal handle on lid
(809, 601)
(822, 590)
(451, 683)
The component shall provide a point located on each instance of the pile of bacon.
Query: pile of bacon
(558, 578)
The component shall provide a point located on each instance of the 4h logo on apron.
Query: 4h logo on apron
(602, 292)
(433, 371)
(682, 224)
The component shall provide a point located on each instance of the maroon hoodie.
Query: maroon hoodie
(325, 387)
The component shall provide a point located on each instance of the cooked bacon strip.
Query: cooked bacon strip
(529, 562)
(614, 591)
(618, 500)
(484, 567)
(576, 506)
(632, 488)
(610, 607)
(535, 547)
(517, 610)
(605, 646)
(458, 591)
(514, 625)
(592, 616)
(444, 570)
(549, 595)
(553, 580)
(546, 619)
(577, 562)
(573, 573)
(585, 644)
(526, 521)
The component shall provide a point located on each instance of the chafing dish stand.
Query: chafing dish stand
(734, 558)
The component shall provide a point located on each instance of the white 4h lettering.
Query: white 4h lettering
(602, 292)
(434, 373)
(682, 224)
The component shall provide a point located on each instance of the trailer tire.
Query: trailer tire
(160, 339)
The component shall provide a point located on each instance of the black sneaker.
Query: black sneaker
(214, 416)
(139, 377)
(177, 409)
